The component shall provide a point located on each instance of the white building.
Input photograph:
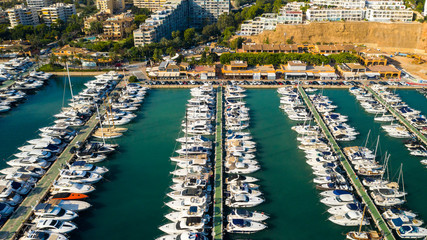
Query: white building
(267, 21)
(38, 4)
(203, 12)
(385, 4)
(335, 14)
(289, 17)
(379, 15)
(21, 14)
(57, 11)
(162, 23)
(353, 4)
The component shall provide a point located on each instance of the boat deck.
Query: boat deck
(376, 216)
(218, 195)
(8, 83)
(399, 116)
(38, 193)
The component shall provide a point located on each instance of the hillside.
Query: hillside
(402, 36)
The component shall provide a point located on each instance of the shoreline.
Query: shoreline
(271, 86)
(78, 73)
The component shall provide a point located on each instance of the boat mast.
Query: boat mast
(100, 124)
(361, 222)
(403, 182)
(376, 147)
(367, 138)
(69, 81)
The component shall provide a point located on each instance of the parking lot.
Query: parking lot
(275, 83)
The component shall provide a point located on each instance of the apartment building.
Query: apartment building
(267, 21)
(57, 11)
(153, 5)
(203, 12)
(386, 15)
(162, 23)
(98, 17)
(335, 14)
(3, 16)
(110, 6)
(290, 17)
(38, 4)
(385, 4)
(351, 4)
(21, 14)
(115, 27)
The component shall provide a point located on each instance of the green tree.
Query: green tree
(189, 35)
(96, 27)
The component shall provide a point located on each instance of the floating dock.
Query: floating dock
(399, 116)
(378, 219)
(218, 224)
(17, 221)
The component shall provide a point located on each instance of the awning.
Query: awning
(372, 74)
(296, 74)
(328, 74)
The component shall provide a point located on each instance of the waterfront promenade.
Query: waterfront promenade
(218, 224)
(17, 221)
(399, 116)
(378, 219)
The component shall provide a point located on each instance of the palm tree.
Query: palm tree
(64, 59)
(53, 59)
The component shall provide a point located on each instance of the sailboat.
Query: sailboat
(362, 235)
(108, 133)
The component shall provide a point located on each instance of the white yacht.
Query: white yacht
(412, 232)
(78, 176)
(239, 213)
(46, 211)
(244, 226)
(352, 218)
(42, 235)
(55, 226)
(68, 187)
(241, 200)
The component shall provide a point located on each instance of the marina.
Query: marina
(354, 179)
(278, 164)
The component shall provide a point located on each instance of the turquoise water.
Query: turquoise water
(414, 99)
(129, 204)
(286, 179)
(415, 175)
(22, 122)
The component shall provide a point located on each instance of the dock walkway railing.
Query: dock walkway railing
(218, 224)
(399, 116)
(378, 219)
(17, 221)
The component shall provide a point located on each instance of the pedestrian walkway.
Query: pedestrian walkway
(398, 116)
(15, 223)
(218, 195)
(378, 219)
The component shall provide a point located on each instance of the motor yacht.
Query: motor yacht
(239, 213)
(44, 211)
(55, 226)
(244, 226)
(351, 218)
(241, 200)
